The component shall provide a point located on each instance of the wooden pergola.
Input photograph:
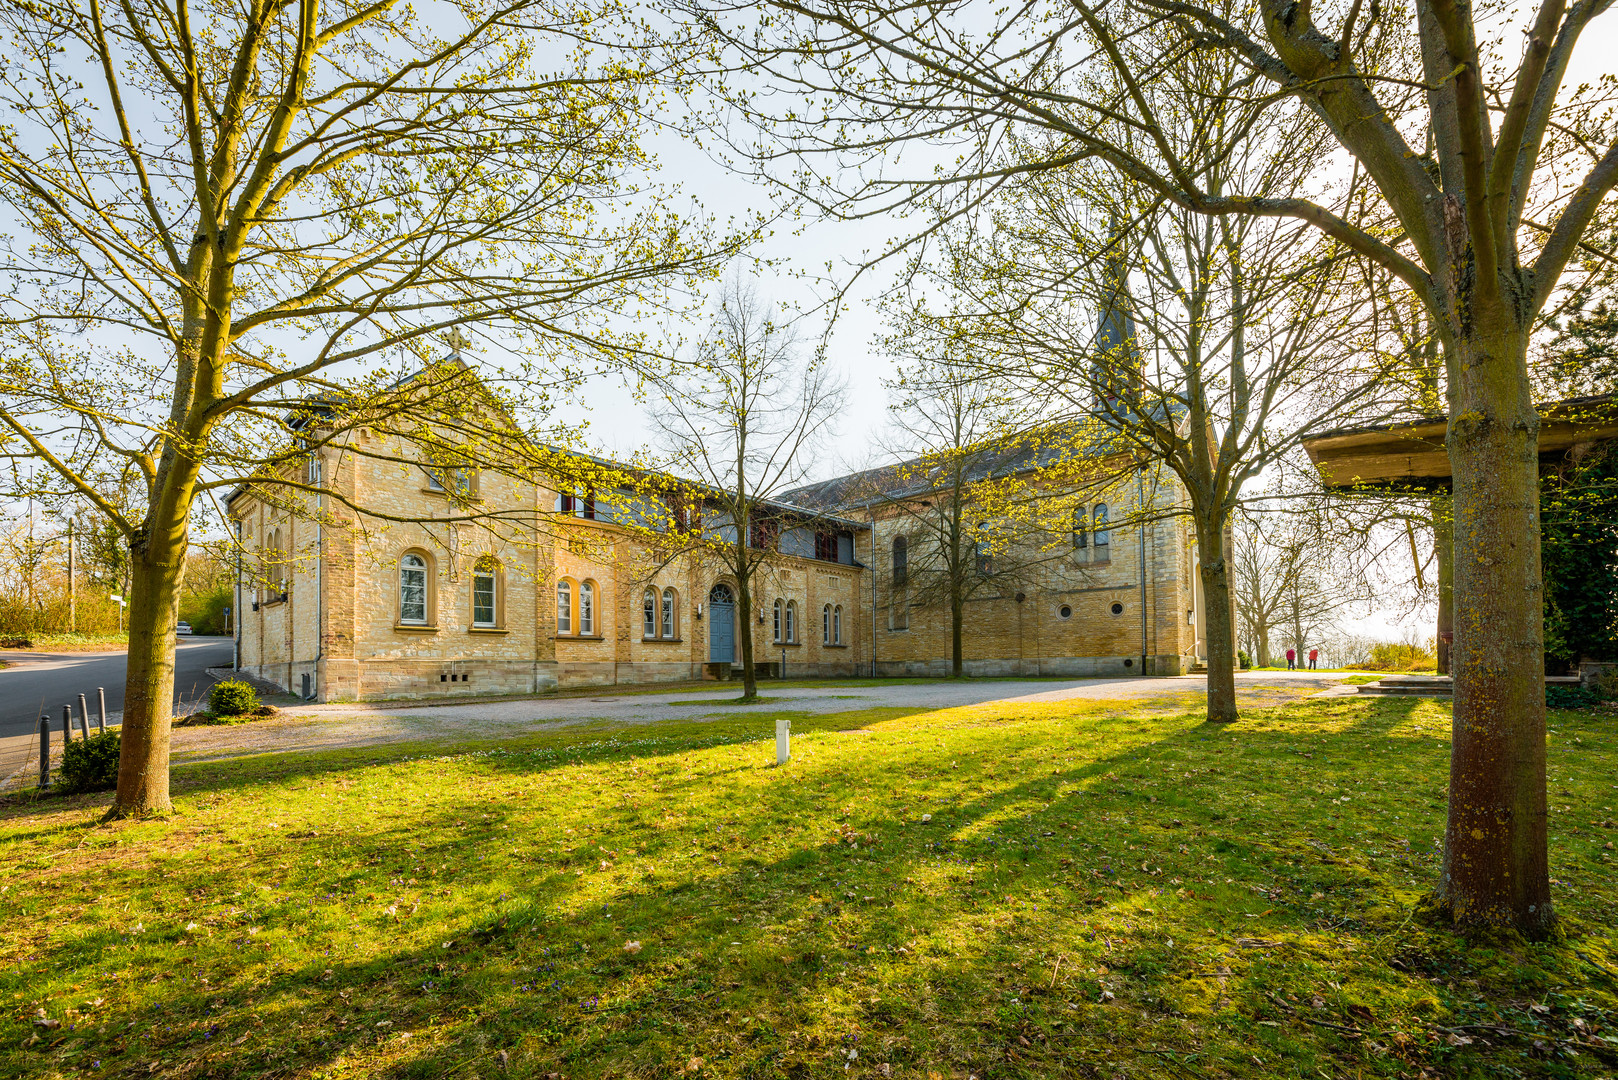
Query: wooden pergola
(1411, 455)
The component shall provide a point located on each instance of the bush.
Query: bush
(232, 698)
(1243, 659)
(1569, 697)
(1399, 656)
(91, 765)
(206, 611)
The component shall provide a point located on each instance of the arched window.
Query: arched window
(985, 560)
(668, 614)
(587, 608)
(780, 610)
(837, 625)
(648, 615)
(1081, 529)
(721, 594)
(792, 621)
(564, 606)
(901, 560)
(1101, 525)
(486, 593)
(413, 590)
(825, 625)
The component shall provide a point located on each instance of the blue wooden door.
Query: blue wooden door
(721, 626)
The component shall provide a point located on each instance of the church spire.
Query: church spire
(1116, 364)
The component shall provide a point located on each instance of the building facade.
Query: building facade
(547, 591)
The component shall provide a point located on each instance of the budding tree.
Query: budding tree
(1491, 167)
(225, 221)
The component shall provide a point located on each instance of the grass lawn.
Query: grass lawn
(1033, 890)
(65, 642)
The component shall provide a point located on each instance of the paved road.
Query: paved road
(53, 678)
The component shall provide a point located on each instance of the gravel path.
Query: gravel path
(312, 727)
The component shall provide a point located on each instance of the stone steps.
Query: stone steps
(1435, 685)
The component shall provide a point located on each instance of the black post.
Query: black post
(44, 753)
(101, 720)
(84, 716)
(67, 724)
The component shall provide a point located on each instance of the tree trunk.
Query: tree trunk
(1496, 869)
(1263, 659)
(1215, 572)
(744, 633)
(1444, 556)
(957, 616)
(155, 576)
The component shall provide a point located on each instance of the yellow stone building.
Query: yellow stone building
(549, 591)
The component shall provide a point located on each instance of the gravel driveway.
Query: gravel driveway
(310, 727)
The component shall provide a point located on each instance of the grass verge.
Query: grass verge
(75, 642)
(996, 891)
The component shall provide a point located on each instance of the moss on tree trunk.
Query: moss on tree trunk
(1495, 857)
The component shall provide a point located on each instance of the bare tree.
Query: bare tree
(742, 418)
(1208, 345)
(223, 235)
(1491, 167)
(979, 486)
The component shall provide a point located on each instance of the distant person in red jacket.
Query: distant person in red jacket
(1314, 654)
(1292, 660)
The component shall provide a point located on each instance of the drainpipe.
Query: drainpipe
(320, 595)
(236, 611)
(1141, 498)
(870, 509)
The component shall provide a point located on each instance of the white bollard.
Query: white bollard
(783, 741)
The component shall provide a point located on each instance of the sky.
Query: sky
(616, 420)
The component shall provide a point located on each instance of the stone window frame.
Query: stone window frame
(791, 624)
(779, 618)
(487, 566)
(825, 625)
(593, 609)
(430, 600)
(668, 614)
(837, 624)
(432, 482)
(565, 608)
(275, 576)
(661, 607)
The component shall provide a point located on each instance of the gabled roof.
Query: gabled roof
(907, 479)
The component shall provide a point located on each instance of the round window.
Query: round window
(1117, 608)
(1129, 663)
(1066, 612)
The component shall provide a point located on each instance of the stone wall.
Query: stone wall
(340, 622)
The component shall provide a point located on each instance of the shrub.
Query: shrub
(232, 698)
(1399, 656)
(91, 765)
(1245, 660)
(1569, 697)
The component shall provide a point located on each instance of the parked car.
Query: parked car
(183, 629)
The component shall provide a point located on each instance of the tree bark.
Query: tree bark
(957, 616)
(1264, 647)
(1221, 629)
(1496, 869)
(1444, 556)
(744, 631)
(155, 576)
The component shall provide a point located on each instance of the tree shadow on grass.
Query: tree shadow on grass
(979, 941)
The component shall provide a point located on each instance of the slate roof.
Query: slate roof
(907, 479)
